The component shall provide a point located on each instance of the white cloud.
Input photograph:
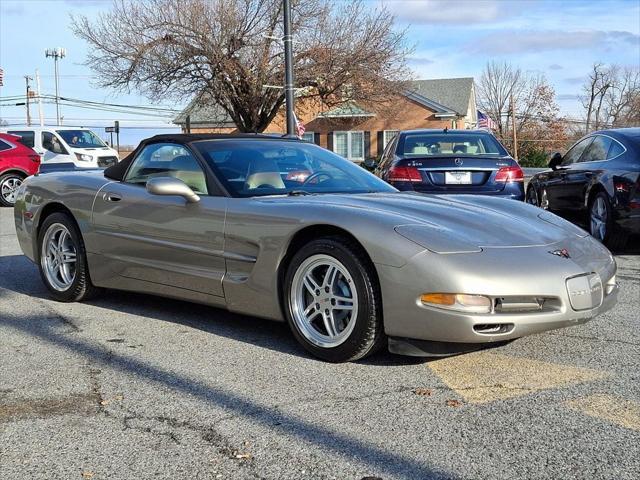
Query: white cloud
(460, 12)
(419, 60)
(512, 41)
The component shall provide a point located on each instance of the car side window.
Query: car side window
(597, 150)
(168, 160)
(4, 145)
(573, 155)
(614, 150)
(52, 143)
(26, 138)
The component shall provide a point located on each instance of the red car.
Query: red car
(17, 162)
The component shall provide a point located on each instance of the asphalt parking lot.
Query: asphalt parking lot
(131, 386)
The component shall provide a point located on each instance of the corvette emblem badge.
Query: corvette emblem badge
(564, 253)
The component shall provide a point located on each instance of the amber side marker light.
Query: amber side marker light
(458, 301)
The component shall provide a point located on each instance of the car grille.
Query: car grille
(107, 161)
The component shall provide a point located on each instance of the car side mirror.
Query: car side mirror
(171, 186)
(556, 159)
(370, 164)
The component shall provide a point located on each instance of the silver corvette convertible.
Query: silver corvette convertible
(288, 231)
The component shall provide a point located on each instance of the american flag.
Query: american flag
(1, 77)
(300, 128)
(484, 121)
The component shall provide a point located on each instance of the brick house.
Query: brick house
(359, 131)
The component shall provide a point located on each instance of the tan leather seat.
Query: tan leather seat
(263, 172)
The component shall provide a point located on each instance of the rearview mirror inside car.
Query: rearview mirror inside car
(171, 186)
(556, 159)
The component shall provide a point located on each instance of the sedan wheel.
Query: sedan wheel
(324, 301)
(63, 260)
(9, 185)
(599, 218)
(333, 301)
(532, 196)
(59, 257)
(602, 225)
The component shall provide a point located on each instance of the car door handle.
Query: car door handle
(111, 197)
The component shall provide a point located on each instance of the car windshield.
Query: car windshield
(251, 168)
(81, 138)
(441, 144)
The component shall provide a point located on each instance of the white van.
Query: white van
(66, 144)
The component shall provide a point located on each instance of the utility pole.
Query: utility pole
(57, 54)
(40, 114)
(288, 68)
(116, 128)
(513, 127)
(27, 79)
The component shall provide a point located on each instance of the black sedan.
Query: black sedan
(450, 161)
(597, 182)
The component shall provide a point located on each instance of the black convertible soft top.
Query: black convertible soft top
(118, 171)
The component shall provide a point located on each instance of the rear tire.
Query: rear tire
(62, 259)
(601, 224)
(9, 185)
(333, 302)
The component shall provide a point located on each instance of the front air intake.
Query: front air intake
(493, 328)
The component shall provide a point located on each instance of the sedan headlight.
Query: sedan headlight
(461, 302)
(83, 157)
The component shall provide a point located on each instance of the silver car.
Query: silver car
(288, 231)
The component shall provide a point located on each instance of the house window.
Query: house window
(307, 137)
(388, 136)
(350, 145)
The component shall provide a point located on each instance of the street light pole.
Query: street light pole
(288, 68)
(57, 54)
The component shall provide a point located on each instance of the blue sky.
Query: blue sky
(452, 38)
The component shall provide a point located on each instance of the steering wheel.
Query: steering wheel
(313, 176)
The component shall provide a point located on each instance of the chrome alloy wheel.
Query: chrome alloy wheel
(58, 257)
(9, 188)
(599, 218)
(324, 301)
(544, 201)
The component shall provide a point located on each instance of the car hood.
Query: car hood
(460, 223)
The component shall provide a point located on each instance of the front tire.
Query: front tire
(532, 196)
(333, 300)
(9, 185)
(62, 259)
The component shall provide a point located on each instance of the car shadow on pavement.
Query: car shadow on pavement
(22, 276)
(329, 440)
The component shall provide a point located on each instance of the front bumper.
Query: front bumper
(497, 273)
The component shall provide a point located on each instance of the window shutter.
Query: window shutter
(367, 145)
(316, 138)
(330, 141)
(380, 143)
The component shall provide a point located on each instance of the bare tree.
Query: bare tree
(533, 98)
(538, 125)
(623, 97)
(594, 93)
(230, 49)
(498, 82)
(611, 95)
